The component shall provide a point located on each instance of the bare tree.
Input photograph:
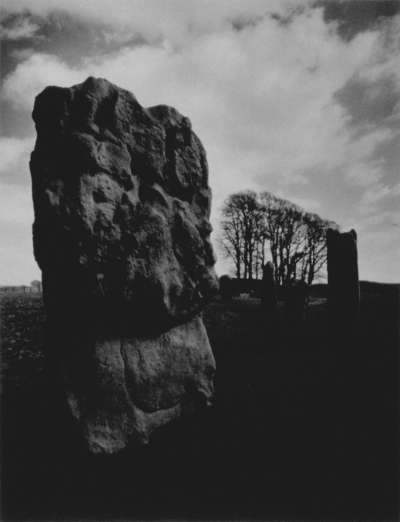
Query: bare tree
(284, 229)
(313, 262)
(231, 237)
(296, 238)
(240, 231)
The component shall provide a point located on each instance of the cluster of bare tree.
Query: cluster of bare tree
(260, 227)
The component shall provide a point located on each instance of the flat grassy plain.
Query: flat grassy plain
(304, 425)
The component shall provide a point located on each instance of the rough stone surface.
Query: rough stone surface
(121, 234)
(122, 389)
(343, 283)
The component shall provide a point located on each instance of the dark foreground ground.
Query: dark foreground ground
(304, 426)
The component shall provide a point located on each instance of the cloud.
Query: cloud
(364, 174)
(17, 265)
(16, 206)
(380, 266)
(375, 194)
(385, 57)
(18, 28)
(267, 117)
(172, 20)
(14, 155)
(32, 75)
(261, 94)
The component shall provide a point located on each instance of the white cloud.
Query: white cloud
(16, 205)
(365, 174)
(376, 193)
(385, 58)
(309, 204)
(17, 264)
(31, 76)
(262, 99)
(381, 266)
(14, 154)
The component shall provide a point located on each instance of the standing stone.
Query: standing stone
(269, 315)
(122, 236)
(296, 301)
(226, 287)
(343, 284)
(268, 289)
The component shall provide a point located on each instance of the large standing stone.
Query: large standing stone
(296, 301)
(343, 284)
(121, 234)
(268, 289)
(226, 287)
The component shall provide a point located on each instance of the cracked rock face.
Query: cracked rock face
(121, 234)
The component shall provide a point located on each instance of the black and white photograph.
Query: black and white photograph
(200, 260)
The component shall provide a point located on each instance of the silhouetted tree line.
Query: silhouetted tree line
(261, 227)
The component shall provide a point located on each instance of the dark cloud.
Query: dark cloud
(75, 40)
(355, 16)
(369, 103)
(288, 17)
(72, 40)
(241, 23)
(69, 38)
(18, 32)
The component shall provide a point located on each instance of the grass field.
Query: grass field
(304, 425)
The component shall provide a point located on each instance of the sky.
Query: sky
(300, 98)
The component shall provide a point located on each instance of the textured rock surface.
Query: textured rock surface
(122, 389)
(121, 234)
(343, 283)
